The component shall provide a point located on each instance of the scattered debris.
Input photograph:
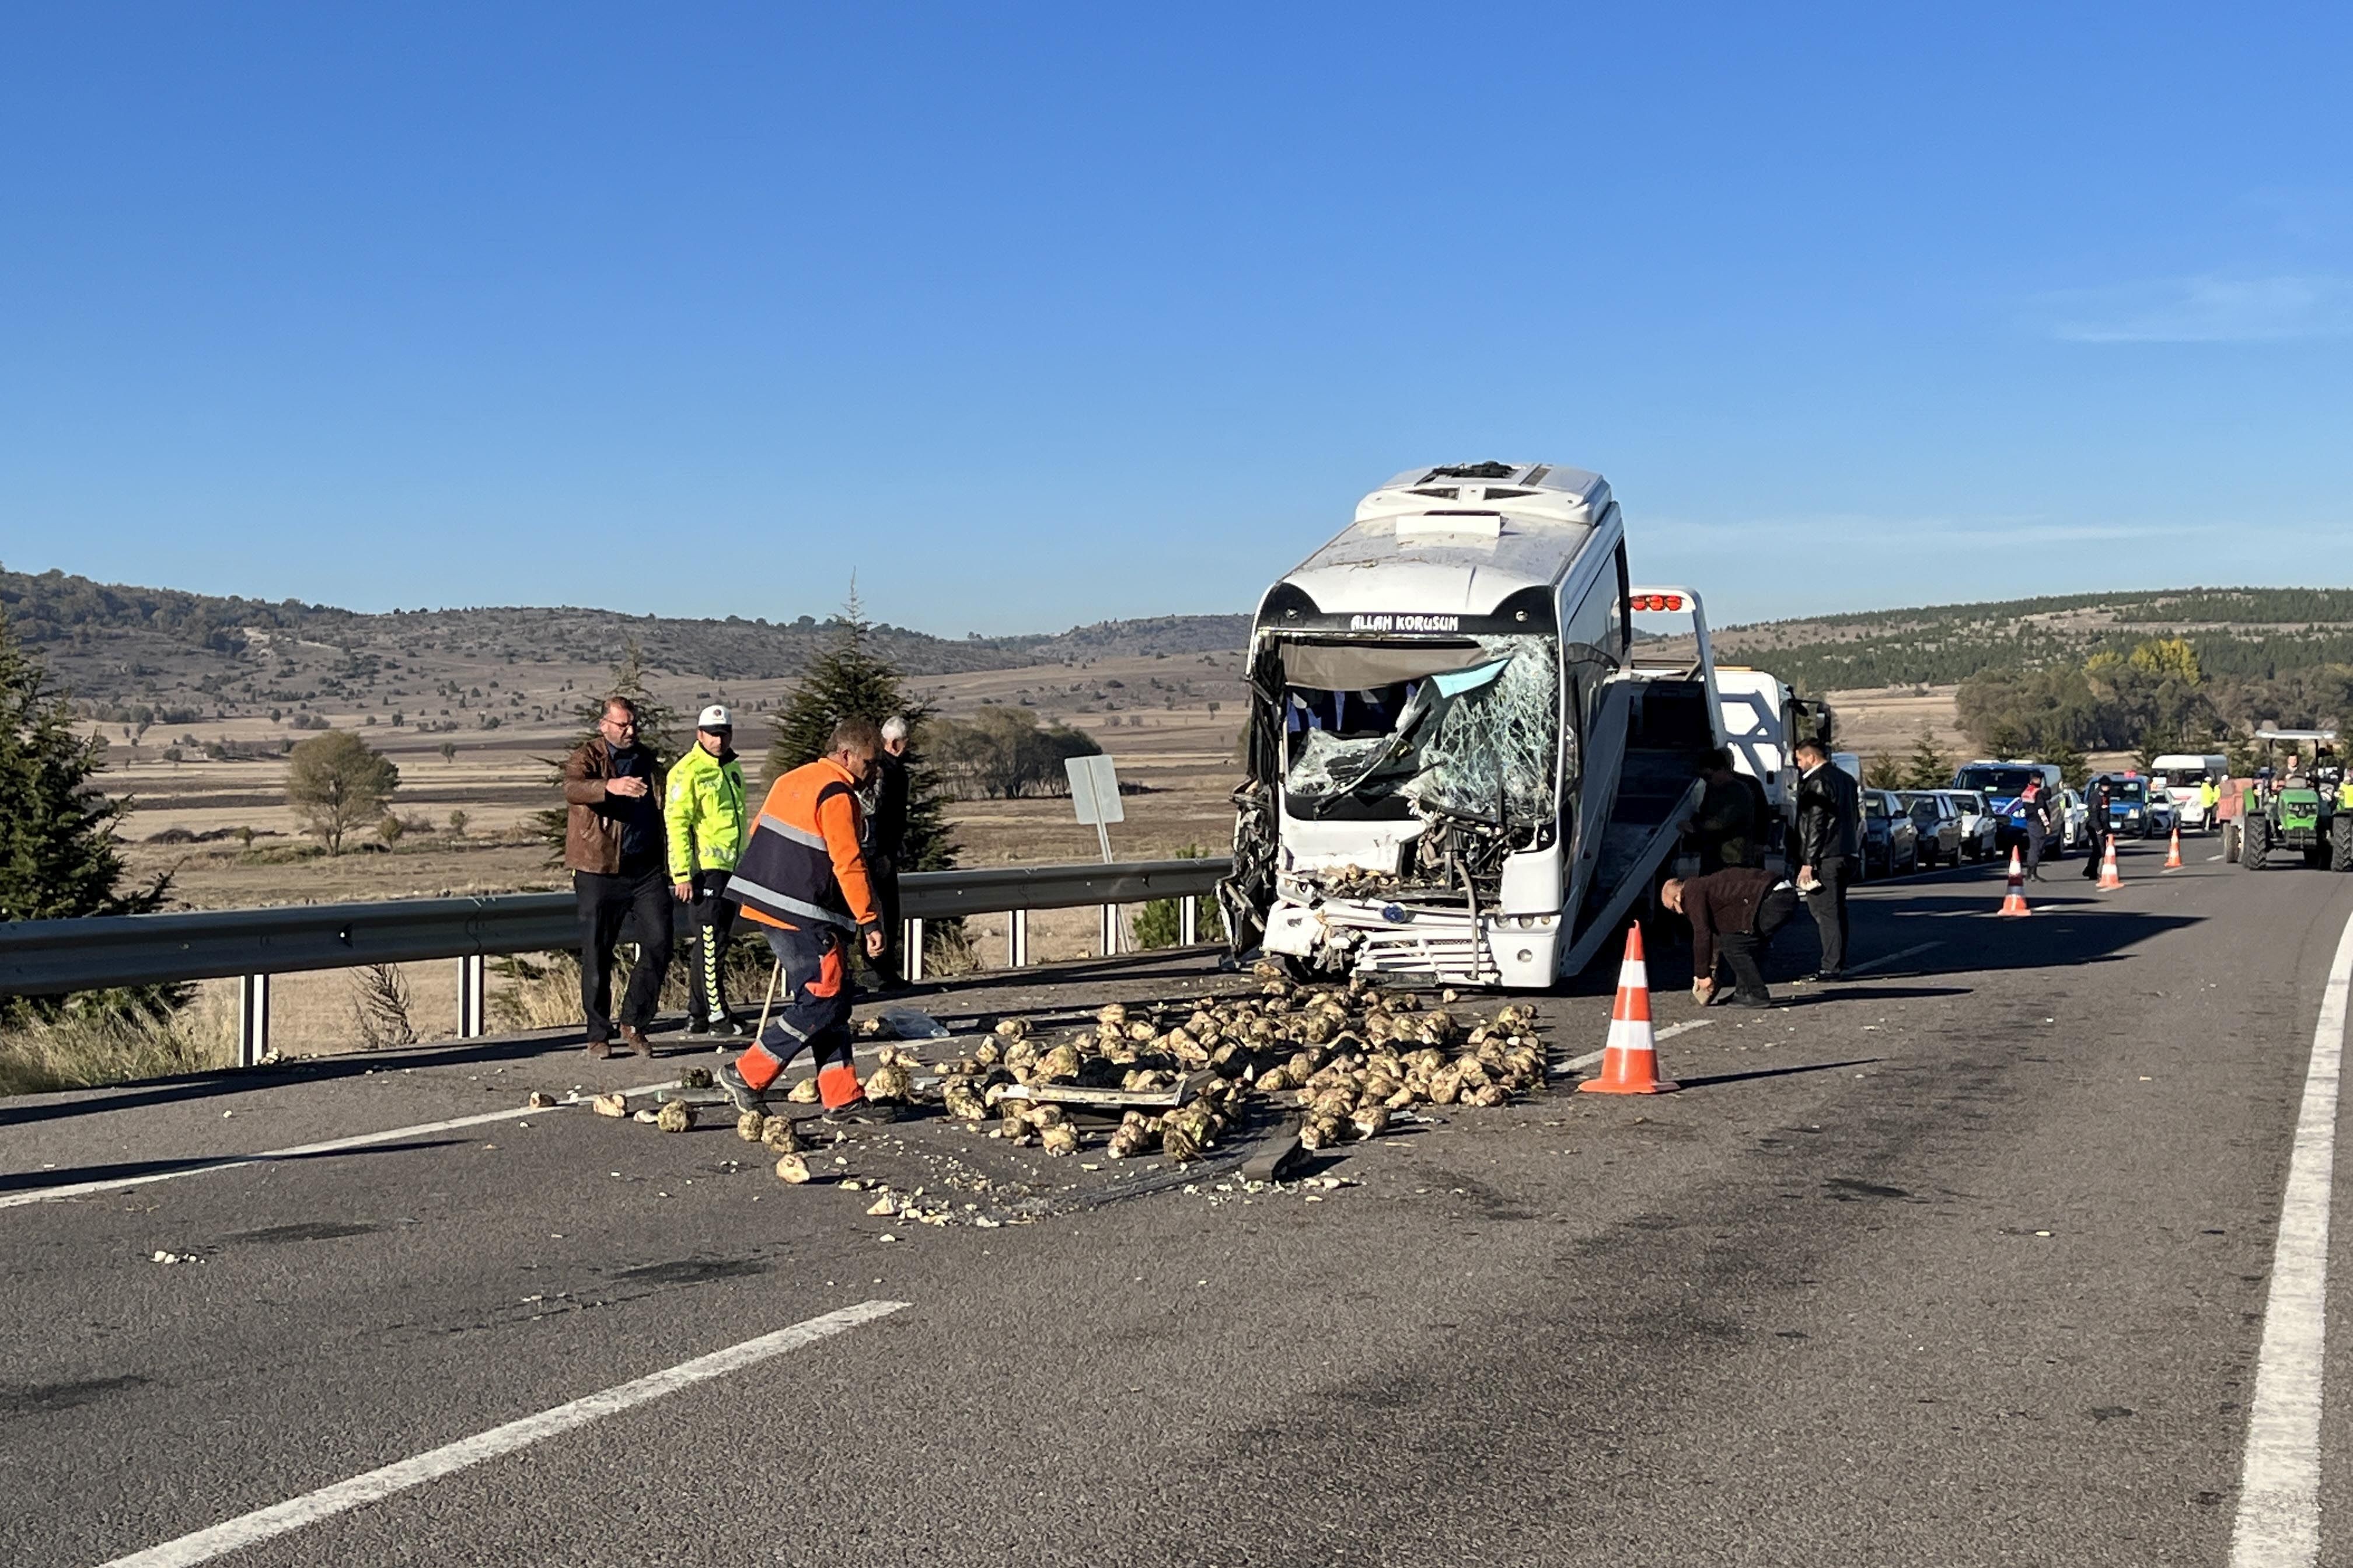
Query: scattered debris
(748, 1126)
(792, 1169)
(778, 1133)
(1348, 1056)
(540, 1100)
(162, 1256)
(648, 1117)
(676, 1117)
(695, 1077)
(892, 1082)
(803, 1093)
(610, 1105)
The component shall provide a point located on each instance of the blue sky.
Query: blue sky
(1038, 315)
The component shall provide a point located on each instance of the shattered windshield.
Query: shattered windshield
(1477, 740)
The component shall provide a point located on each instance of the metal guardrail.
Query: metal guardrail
(55, 957)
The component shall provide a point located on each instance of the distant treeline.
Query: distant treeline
(2258, 639)
(2157, 696)
(71, 613)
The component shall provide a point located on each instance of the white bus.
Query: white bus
(1460, 772)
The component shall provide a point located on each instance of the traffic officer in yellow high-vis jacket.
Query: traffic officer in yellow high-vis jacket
(704, 809)
(803, 877)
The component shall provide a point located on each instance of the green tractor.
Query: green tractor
(2291, 808)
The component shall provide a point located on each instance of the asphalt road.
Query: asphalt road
(1963, 1261)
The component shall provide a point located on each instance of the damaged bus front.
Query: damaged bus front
(1428, 691)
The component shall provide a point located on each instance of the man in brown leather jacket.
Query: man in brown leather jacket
(612, 844)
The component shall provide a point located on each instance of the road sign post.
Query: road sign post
(1094, 795)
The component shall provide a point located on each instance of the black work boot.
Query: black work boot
(866, 1112)
(746, 1098)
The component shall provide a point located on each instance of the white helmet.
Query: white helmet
(715, 717)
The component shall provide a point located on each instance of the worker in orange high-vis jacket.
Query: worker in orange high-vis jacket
(803, 878)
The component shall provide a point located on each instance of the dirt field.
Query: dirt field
(1178, 756)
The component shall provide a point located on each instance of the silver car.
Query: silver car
(1981, 828)
(1937, 823)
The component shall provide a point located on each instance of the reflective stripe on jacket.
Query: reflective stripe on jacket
(803, 866)
(705, 809)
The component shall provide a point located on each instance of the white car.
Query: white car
(2075, 821)
(1981, 828)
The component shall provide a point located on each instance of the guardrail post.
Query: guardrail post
(1111, 930)
(1017, 939)
(473, 985)
(252, 1019)
(914, 939)
(1188, 920)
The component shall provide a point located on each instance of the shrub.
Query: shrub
(1160, 923)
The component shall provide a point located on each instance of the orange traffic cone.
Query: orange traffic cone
(2173, 854)
(2013, 902)
(2109, 878)
(1630, 1064)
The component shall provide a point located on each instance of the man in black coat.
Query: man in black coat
(1730, 829)
(2095, 807)
(1829, 816)
(2036, 806)
(886, 831)
(1732, 912)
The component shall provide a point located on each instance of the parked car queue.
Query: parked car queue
(1907, 831)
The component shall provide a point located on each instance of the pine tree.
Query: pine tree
(57, 854)
(849, 681)
(2075, 770)
(657, 728)
(1927, 768)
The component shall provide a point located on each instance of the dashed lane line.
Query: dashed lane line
(1578, 1064)
(301, 1150)
(282, 1519)
(2279, 1492)
(1883, 963)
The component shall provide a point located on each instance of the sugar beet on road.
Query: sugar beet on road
(1964, 1262)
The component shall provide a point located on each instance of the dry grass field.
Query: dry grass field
(1175, 754)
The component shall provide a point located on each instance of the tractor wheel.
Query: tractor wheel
(2340, 842)
(2254, 838)
(2230, 831)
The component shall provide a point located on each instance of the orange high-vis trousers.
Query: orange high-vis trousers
(813, 1012)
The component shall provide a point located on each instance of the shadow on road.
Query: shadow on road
(131, 1170)
(1848, 991)
(1712, 1080)
(313, 1070)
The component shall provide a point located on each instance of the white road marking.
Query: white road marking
(2212, 858)
(2279, 1493)
(333, 1145)
(284, 1518)
(1890, 958)
(1576, 1063)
